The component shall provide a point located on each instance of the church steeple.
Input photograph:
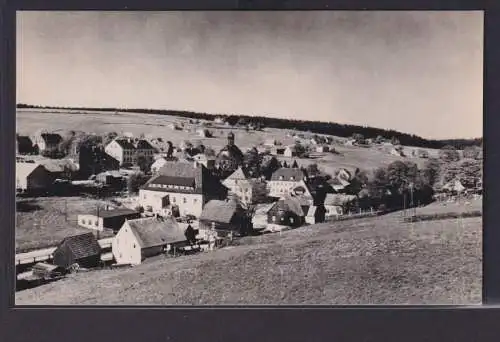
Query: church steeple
(230, 139)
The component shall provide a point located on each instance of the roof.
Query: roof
(290, 204)
(112, 173)
(114, 212)
(59, 165)
(82, 246)
(24, 140)
(144, 145)
(23, 170)
(231, 151)
(219, 211)
(288, 173)
(152, 231)
(239, 174)
(338, 199)
(51, 138)
(262, 209)
(125, 144)
(170, 180)
(454, 185)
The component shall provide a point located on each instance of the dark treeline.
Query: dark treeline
(317, 127)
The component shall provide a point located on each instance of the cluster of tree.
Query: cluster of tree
(301, 125)
(135, 181)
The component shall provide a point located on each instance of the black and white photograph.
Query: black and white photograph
(249, 158)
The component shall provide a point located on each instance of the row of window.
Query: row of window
(170, 186)
(96, 223)
(174, 200)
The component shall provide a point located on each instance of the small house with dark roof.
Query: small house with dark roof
(102, 219)
(33, 177)
(82, 249)
(142, 238)
(180, 188)
(224, 217)
(284, 180)
(46, 141)
(24, 145)
(286, 213)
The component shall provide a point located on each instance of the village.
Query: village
(155, 197)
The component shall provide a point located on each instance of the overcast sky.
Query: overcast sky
(416, 72)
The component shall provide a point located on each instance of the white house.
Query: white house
(208, 162)
(179, 189)
(290, 151)
(337, 204)
(122, 150)
(322, 148)
(284, 180)
(46, 141)
(247, 190)
(397, 151)
(146, 237)
(259, 217)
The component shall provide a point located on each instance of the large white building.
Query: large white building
(284, 180)
(127, 153)
(179, 189)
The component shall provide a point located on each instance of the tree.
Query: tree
(209, 152)
(395, 141)
(295, 165)
(358, 137)
(135, 181)
(430, 172)
(285, 165)
(312, 170)
(170, 149)
(252, 161)
(300, 150)
(449, 154)
(144, 164)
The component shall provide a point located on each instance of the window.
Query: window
(173, 199)
(134, 245)
(96, 223)
(144, 197)
(246, 190)
(291, 219)
(83, 221)
(274, 218)
(184, 200)
(281, 177)
(195, 200)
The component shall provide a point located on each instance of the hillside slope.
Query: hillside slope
(369, 261)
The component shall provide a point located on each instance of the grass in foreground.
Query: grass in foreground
(369, 261)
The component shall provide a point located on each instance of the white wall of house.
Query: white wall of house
(91, 222)
(125, 247)
(116, 151)
(188, 203)
(333, 210)
(259, 221)
(280, 188)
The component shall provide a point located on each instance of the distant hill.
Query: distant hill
(301, 125)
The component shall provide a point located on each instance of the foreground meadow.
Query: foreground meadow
(368, 261)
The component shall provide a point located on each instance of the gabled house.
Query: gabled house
(248, 190)
(259, 216)
(122, 150)
(286, 213)
(290, 151)
(322, 148)
(179, 189)
(141, 238)
(33, 177)
(46, 142)
(61, 168)
(207, 161)
(82, 249)
(397, 151)
(339, 204)
(284, 180)
(144, 149)
(224, 217)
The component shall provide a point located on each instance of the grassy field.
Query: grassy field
(29, 121)
(45, 221)
(368, 261)
(461, 206)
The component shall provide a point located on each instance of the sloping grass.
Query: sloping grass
(370, 261)
(44, 221)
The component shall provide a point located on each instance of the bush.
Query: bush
(443, 216)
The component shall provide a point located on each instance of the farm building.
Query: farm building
(422, 154)
(454, 187)
(33, 177)
(338, 185)
(141, 238)
(24, 145)
(82, 249)
(286, 213)
(284, 180)
(350, 142)
(224, 217)
(247, 189)
(204, 133)
(180, 188)
(272, 142)
(46, 142)
(263, 149)
(174, 127)
(122, 150)
(219, 120)
(278, 151)
(110, 178)
(259, 217)
(107, 219)
(339, 204)
(61, 168)
(322, 148)
(397, 151)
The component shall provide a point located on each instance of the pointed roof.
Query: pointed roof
(291, 204)
(144, 145)
(125, 144)
(338, 199)
(288, 174)
(23, 170)
(239, 174)
(219, 211)
(82, 246)
(153, 232)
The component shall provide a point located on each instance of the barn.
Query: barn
(82, 249)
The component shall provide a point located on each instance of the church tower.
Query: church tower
(230, 139)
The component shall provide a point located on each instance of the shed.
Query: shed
(338, 204)
(287, 212)
(47, 271)
(107, 219)
(225, 216)
(82, 249)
